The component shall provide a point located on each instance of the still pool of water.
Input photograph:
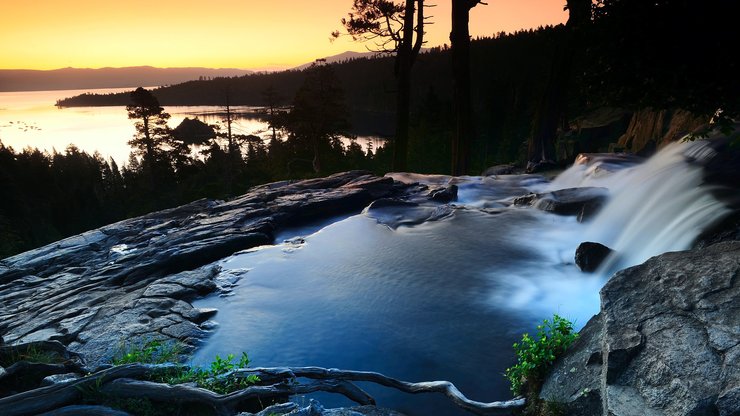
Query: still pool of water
(443, 300)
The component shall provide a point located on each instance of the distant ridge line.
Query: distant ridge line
(12, 80)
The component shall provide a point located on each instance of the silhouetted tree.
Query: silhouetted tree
(152, 133)
(272, 101)
(551, 109)
(460, 40)
(395, 28)
(318, 116)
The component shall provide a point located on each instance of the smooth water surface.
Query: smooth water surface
(443, 300)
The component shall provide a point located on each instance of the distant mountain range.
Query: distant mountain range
(135, 76)
(85, 78)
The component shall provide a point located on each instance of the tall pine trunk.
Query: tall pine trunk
(460, 40)
(552, 107)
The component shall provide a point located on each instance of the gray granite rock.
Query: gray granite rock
(583, 202)
(668, 339)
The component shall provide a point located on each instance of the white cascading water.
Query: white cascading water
(658, 206)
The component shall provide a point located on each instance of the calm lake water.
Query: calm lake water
(30, 118)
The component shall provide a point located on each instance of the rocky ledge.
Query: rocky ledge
(135, 279)
(666, 342)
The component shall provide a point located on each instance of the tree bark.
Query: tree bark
(121, 382)
(445, 387)
(460, 40)
(405, 57)
(551, 109)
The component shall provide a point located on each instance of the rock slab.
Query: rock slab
(666, 342)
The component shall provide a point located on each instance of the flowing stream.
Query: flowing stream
(445, 299)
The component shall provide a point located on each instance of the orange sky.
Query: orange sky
(49, 34)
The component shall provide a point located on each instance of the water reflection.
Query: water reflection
(30, 118)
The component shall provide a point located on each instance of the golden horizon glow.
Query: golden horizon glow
(246, 34)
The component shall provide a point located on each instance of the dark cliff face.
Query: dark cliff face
(666, 342)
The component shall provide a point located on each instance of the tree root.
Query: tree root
(445, 387)
(125, 382)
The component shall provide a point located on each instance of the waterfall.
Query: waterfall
(657, 206)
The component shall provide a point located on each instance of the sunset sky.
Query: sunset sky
(249, 34)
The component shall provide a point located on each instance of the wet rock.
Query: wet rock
(541, 166)
(499, 170)
(589, 256)
(444, 195)
(576, 377)
(397, 213)
(134, 279)
(59, 379)
(584, 202)
(669, 338)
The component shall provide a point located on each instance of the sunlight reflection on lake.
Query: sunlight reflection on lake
(30, 118)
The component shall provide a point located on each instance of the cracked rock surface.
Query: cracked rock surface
(135, 279)
(666, 342)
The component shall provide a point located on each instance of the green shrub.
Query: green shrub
(536, 355)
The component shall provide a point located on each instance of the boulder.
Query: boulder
(397, 213)
(507, 169)
(541, 166)
(589, 256)
(444, 195)
(666, 342)
(583, 202)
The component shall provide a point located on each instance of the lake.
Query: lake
(30, 118)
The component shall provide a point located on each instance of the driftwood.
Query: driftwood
(227, 403)
(445, 387)
(125, 382)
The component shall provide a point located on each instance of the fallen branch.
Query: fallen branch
(227, 403)
(444, 387)
(124, 382)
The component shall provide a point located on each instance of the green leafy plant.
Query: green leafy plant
(215, 377)
(536, 355)
(151, 352)
(31, 353)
